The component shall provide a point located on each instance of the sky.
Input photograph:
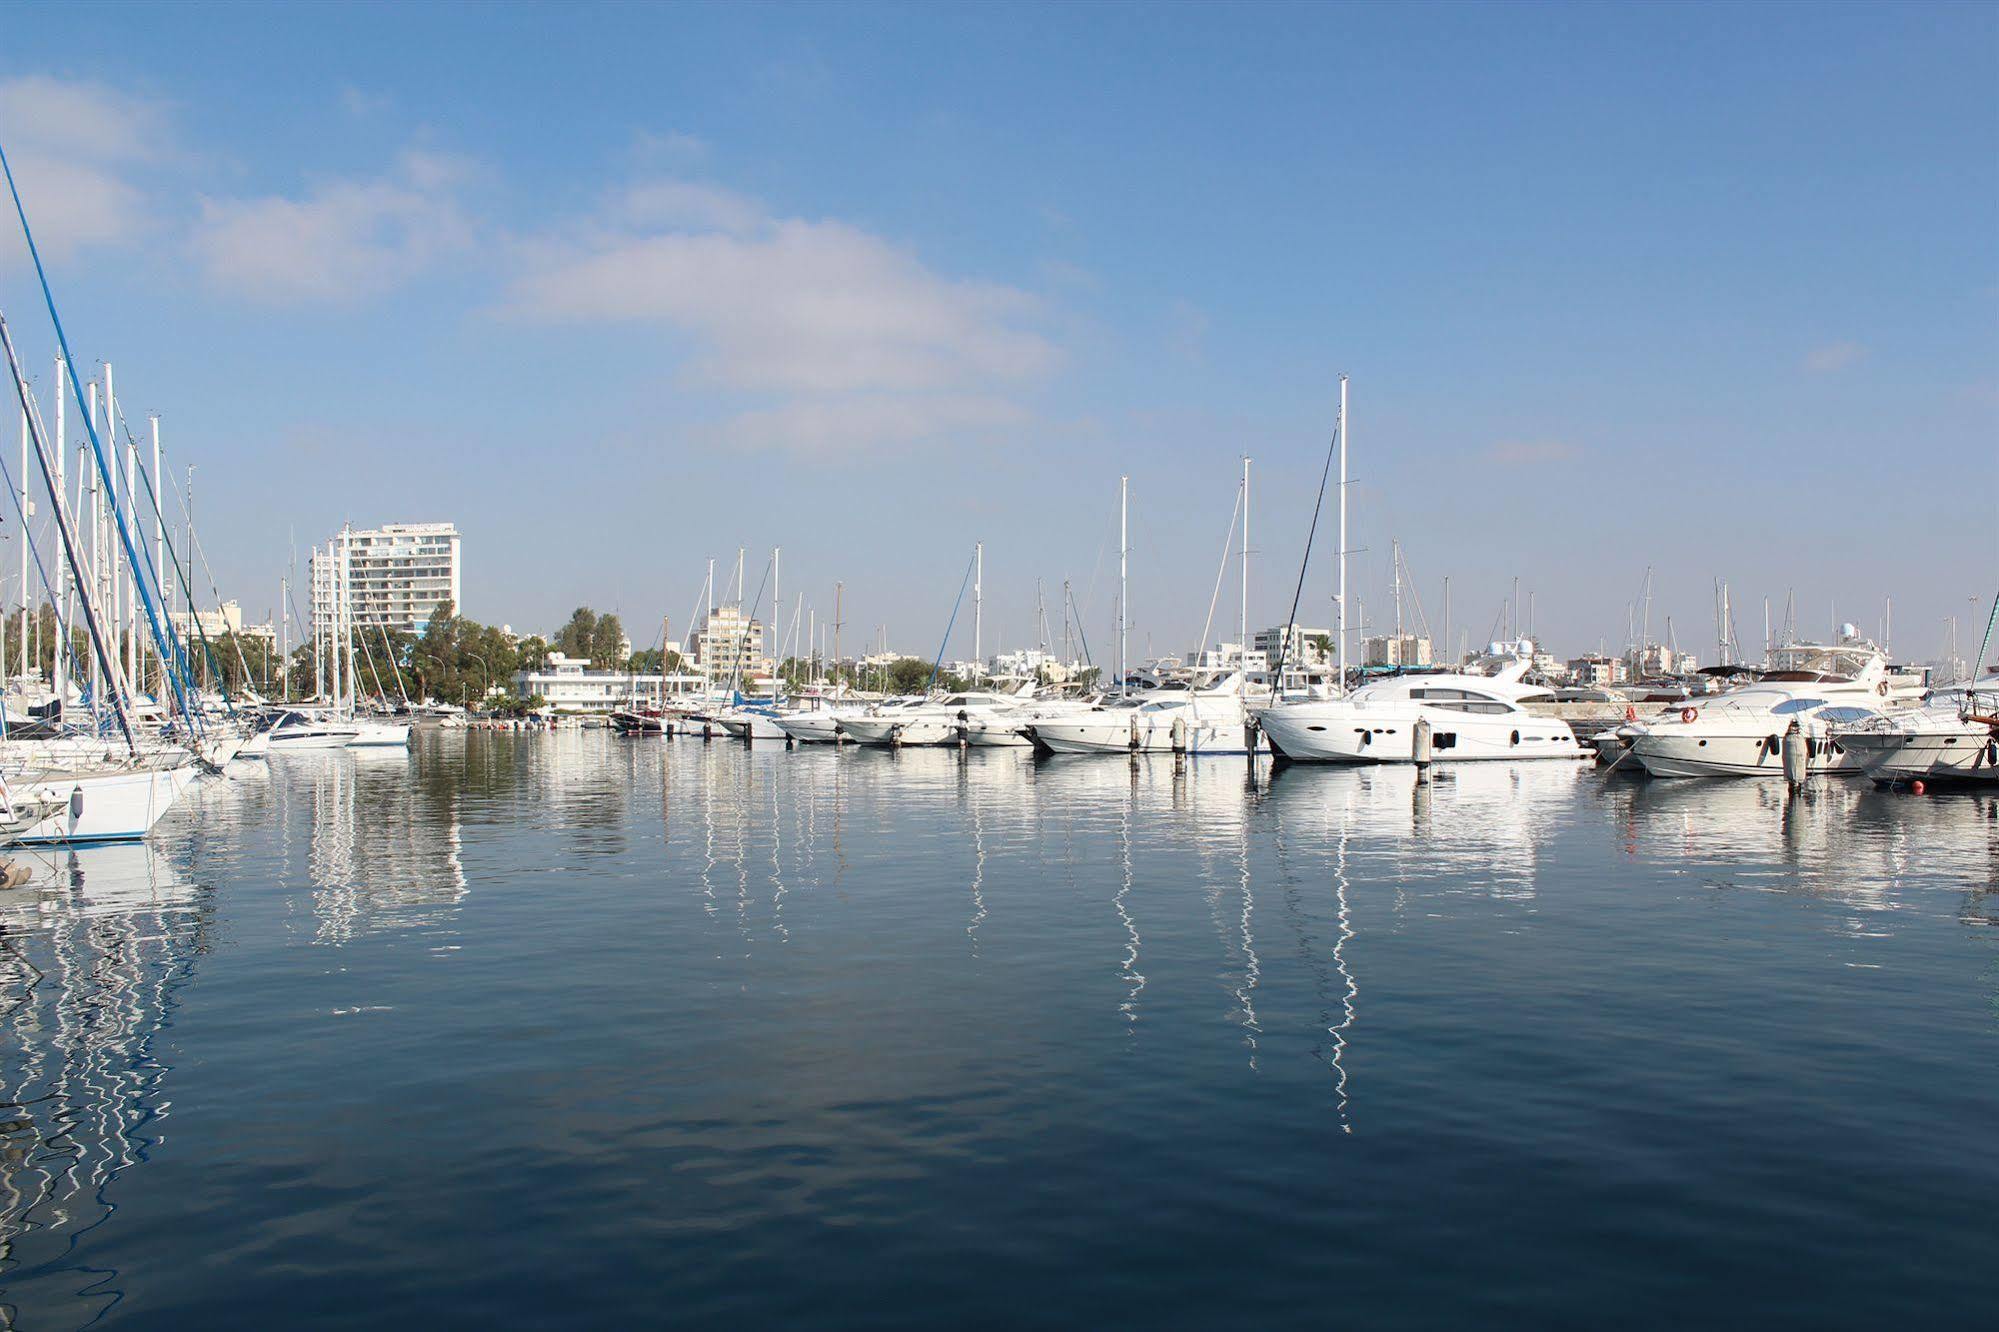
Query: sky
(1708, 290)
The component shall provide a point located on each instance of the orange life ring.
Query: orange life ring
(1630, 713)
(1688, 714)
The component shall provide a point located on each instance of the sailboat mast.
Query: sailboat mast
(1242, 626)
(1123, 553)
(61, 593)
(1341, 598)
(978, 603)
(27, 512)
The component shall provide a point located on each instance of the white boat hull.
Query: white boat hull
(103, 807)
(1388, 735)
(380, 735)
(1102, 736)
(1694, 753)
(1966, 756)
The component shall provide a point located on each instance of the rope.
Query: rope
(1311, 533)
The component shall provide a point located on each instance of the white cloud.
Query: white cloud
(859, 343)
(1532, 452)
(74, 146)
(344, 240)
(686, 204)
(1834, 356)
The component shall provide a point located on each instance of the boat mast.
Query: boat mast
(61, 667)
(1123, 552)
(27, 512)
(285, 634)
(1341, 597)
(978, 603)
(1242, 628)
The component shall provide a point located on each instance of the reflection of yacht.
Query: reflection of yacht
(97, 949)
(1471, 717)
(1953, 737)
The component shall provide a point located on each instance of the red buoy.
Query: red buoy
(1917, 787)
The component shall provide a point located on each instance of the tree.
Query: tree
(577, 638)
(907, 675)
(607, 643)
(533, 651)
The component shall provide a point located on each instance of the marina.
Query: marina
(852, 665)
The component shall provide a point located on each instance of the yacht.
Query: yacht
(1953, 737)
(1173, 715)
(1471, 717)
(114, 803)
(925, 723)
(306, 728)
(1820, 688)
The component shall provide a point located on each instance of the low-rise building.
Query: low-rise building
(1298, 645)
(567, 684)
(1399, 652)
(1596, 669)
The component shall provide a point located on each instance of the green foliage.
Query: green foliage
(533, 650)
(910, 675)
(461, 661)
(652, 661)
(591, 637)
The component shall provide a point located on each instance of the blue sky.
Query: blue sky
(1706, 288)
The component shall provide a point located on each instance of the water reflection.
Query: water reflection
(93, 954)
(1841, 840)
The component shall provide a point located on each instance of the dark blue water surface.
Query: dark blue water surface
(539, 1030)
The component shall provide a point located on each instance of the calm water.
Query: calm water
(544, 1030)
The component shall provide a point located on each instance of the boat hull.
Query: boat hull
(1960, 757)
(104, 807)
(1710, 754)
(1330, 733)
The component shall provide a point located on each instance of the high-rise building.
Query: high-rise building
(396, 576)
(729, 646)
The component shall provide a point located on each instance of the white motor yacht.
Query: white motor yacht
(1740, 733)
(925, 723)
(307, 728)
(1953, 737)
(1471, 718)
(1175, 714)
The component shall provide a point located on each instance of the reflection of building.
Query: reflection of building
(730, 646)
(567, 684)
(396, 576)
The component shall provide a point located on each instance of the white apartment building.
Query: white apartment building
(1400, 651)
(226, 619)
(729, 646)
(396, 576)
(1297, 644)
